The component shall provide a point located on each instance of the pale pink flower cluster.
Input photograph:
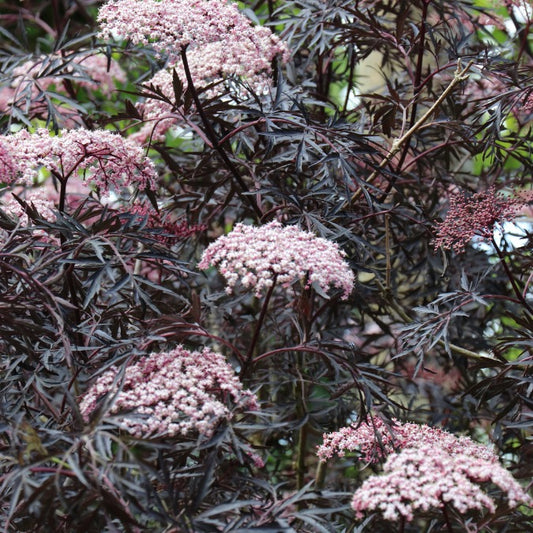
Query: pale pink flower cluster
(8, 165)
(37, 198)
(375, 440)
(104, 159)
(425, 468)
(258, 257)
(426, 477)
(211, 64)
(170, 393)
(172, 25)
(220, 43)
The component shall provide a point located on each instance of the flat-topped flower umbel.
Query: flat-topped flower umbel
(169, 26)
(170, 393)
(220, 44)
(425, 468)
(258, 257)
(106, 160)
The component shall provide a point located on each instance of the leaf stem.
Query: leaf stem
(510, 276)
(460, 75)
(211, 134)
(257, 331)
(320, 474)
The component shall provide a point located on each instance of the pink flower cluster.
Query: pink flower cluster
(375, 440)
(220, 42)
(425, 468)
(8, 164)
(37, 198)
(172, 25)
(426, 477)
(475, 215)
(170, 393)
(104, 159)
(258, 257)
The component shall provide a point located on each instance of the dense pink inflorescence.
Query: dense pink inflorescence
(170, 393)
(9, 169)
(475, 215)
(220, 43)
(172, 25)
(425, 468)
(428, 477)
(36, 198)
(104, 159)
(375, 440)
(257, 257)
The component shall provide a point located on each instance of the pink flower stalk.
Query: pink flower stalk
(425, 468)
(104, 159)
(170, 393)
(426, 477)
(172, 25)
(476, 215)
(258, 257)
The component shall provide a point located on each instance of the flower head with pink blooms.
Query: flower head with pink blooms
(375, 440)
(170, 26)
(425, 468)
(219, 41)
(475, 215)
(170, 393)
(35, 198)
(9, 169)
(259, 257)
(427, 477)
(104, 159)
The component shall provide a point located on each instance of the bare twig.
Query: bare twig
(461, 74)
